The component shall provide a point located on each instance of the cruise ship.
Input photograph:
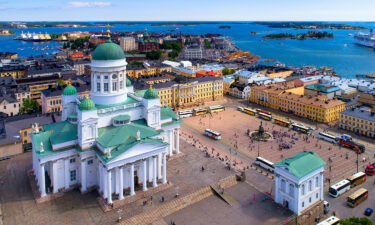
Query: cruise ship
(34, 37)
(365, 39)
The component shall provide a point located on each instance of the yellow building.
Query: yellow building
(360, 120)
(139, 71)
(276, 73)
(367, 99)
(291, 99)
(35, 89)
(227, 82)
(14, 71)
(190, 92)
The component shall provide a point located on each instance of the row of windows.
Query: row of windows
(55, 102)
(14, 106)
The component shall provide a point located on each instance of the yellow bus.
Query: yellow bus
(357, 179)
(357, 197)
(216, 108)
(200, 111)
(249, 111)
(281, 122)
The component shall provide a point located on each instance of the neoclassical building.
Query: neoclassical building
(113, 141)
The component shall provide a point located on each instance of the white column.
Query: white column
(104, 184)
(100, 177)
(177, 141)
(132, 179)
(150, 169)
(164, 168)
(117, 179)
(321, 177)
(170, 133)
(42, 181)
(83, 176)
(54, 173)
(67, 173)
(159, 166)
(154, 183)
(109, 186)
(144, 170)
(121, 174)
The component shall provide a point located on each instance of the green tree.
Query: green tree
(227, 71)
(154, 55)
(356, 221)
(207, 43)
(29, 105)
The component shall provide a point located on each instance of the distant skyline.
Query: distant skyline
(187, 10)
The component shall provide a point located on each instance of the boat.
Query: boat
(225, 27)
(34, 37)
(365, 39)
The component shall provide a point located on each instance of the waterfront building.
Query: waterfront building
(8, 55)
(299, 181)
(277, 72)
(321, 89)
(147, 43)
(360, 120)
(307, 80)
(15, 71)
(198, 70)
(111, 141)
(51, 99)
(128, 43)
(289, 98)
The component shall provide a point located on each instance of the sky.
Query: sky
(187, 10)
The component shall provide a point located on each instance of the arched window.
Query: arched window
(317, 181)
(291, 190)
(303, 189)
(310, 185)
(283, 185)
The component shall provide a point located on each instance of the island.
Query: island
(6, 32)
(301, 36)
(310, 25)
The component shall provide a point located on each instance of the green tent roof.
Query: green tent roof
(302, 163)
(115, 136)
(69, 90)
(108, 51)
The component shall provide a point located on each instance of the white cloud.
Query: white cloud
(88, 4)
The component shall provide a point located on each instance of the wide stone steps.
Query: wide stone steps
(168, 208)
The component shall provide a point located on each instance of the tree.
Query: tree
(227, 71)
(356, 221)
(29, 105)
(207, 44)
(153, 55)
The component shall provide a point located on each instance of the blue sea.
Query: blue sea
(340, 53)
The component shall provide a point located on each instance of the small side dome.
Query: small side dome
(87, 104)
(69, 90)
(151, 93)
(128, 82)
(108, 51)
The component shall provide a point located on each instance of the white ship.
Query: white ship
(365, 39)
(34, 37)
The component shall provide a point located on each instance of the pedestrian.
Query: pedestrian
(162, 198)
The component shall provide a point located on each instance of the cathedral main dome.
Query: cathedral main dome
(108, 51)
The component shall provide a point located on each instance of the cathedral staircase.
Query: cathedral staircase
(219, 191)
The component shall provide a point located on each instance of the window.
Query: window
(310, 200)
(317, 195)
(303, 204)
(98, 77)
(15, 105)
(25, 133)
(310, 185)
(114, 86)
(90, 162)
(114, 76)
(316, 181)
(283, 185)
(72, 160)
(5, 107)
(98, 86)
(291, 190)
(105, 86)
(73, 175)
(303, 189)
(121, 85)
(105, 77)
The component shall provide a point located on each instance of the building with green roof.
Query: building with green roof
(299, 181)
(123, 137)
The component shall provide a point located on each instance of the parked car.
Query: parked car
(368, 211)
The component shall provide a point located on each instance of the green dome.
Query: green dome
(87, 104)
(128, 83)
(108, 51)
(151, 94)
(69, 90)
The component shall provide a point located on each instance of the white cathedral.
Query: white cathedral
(115, 141)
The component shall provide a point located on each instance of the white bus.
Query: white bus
(216, 108)
(339, 188)
(327, 137)
(265, 164)
(330, 221)
(212, 134)
(185, 113)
